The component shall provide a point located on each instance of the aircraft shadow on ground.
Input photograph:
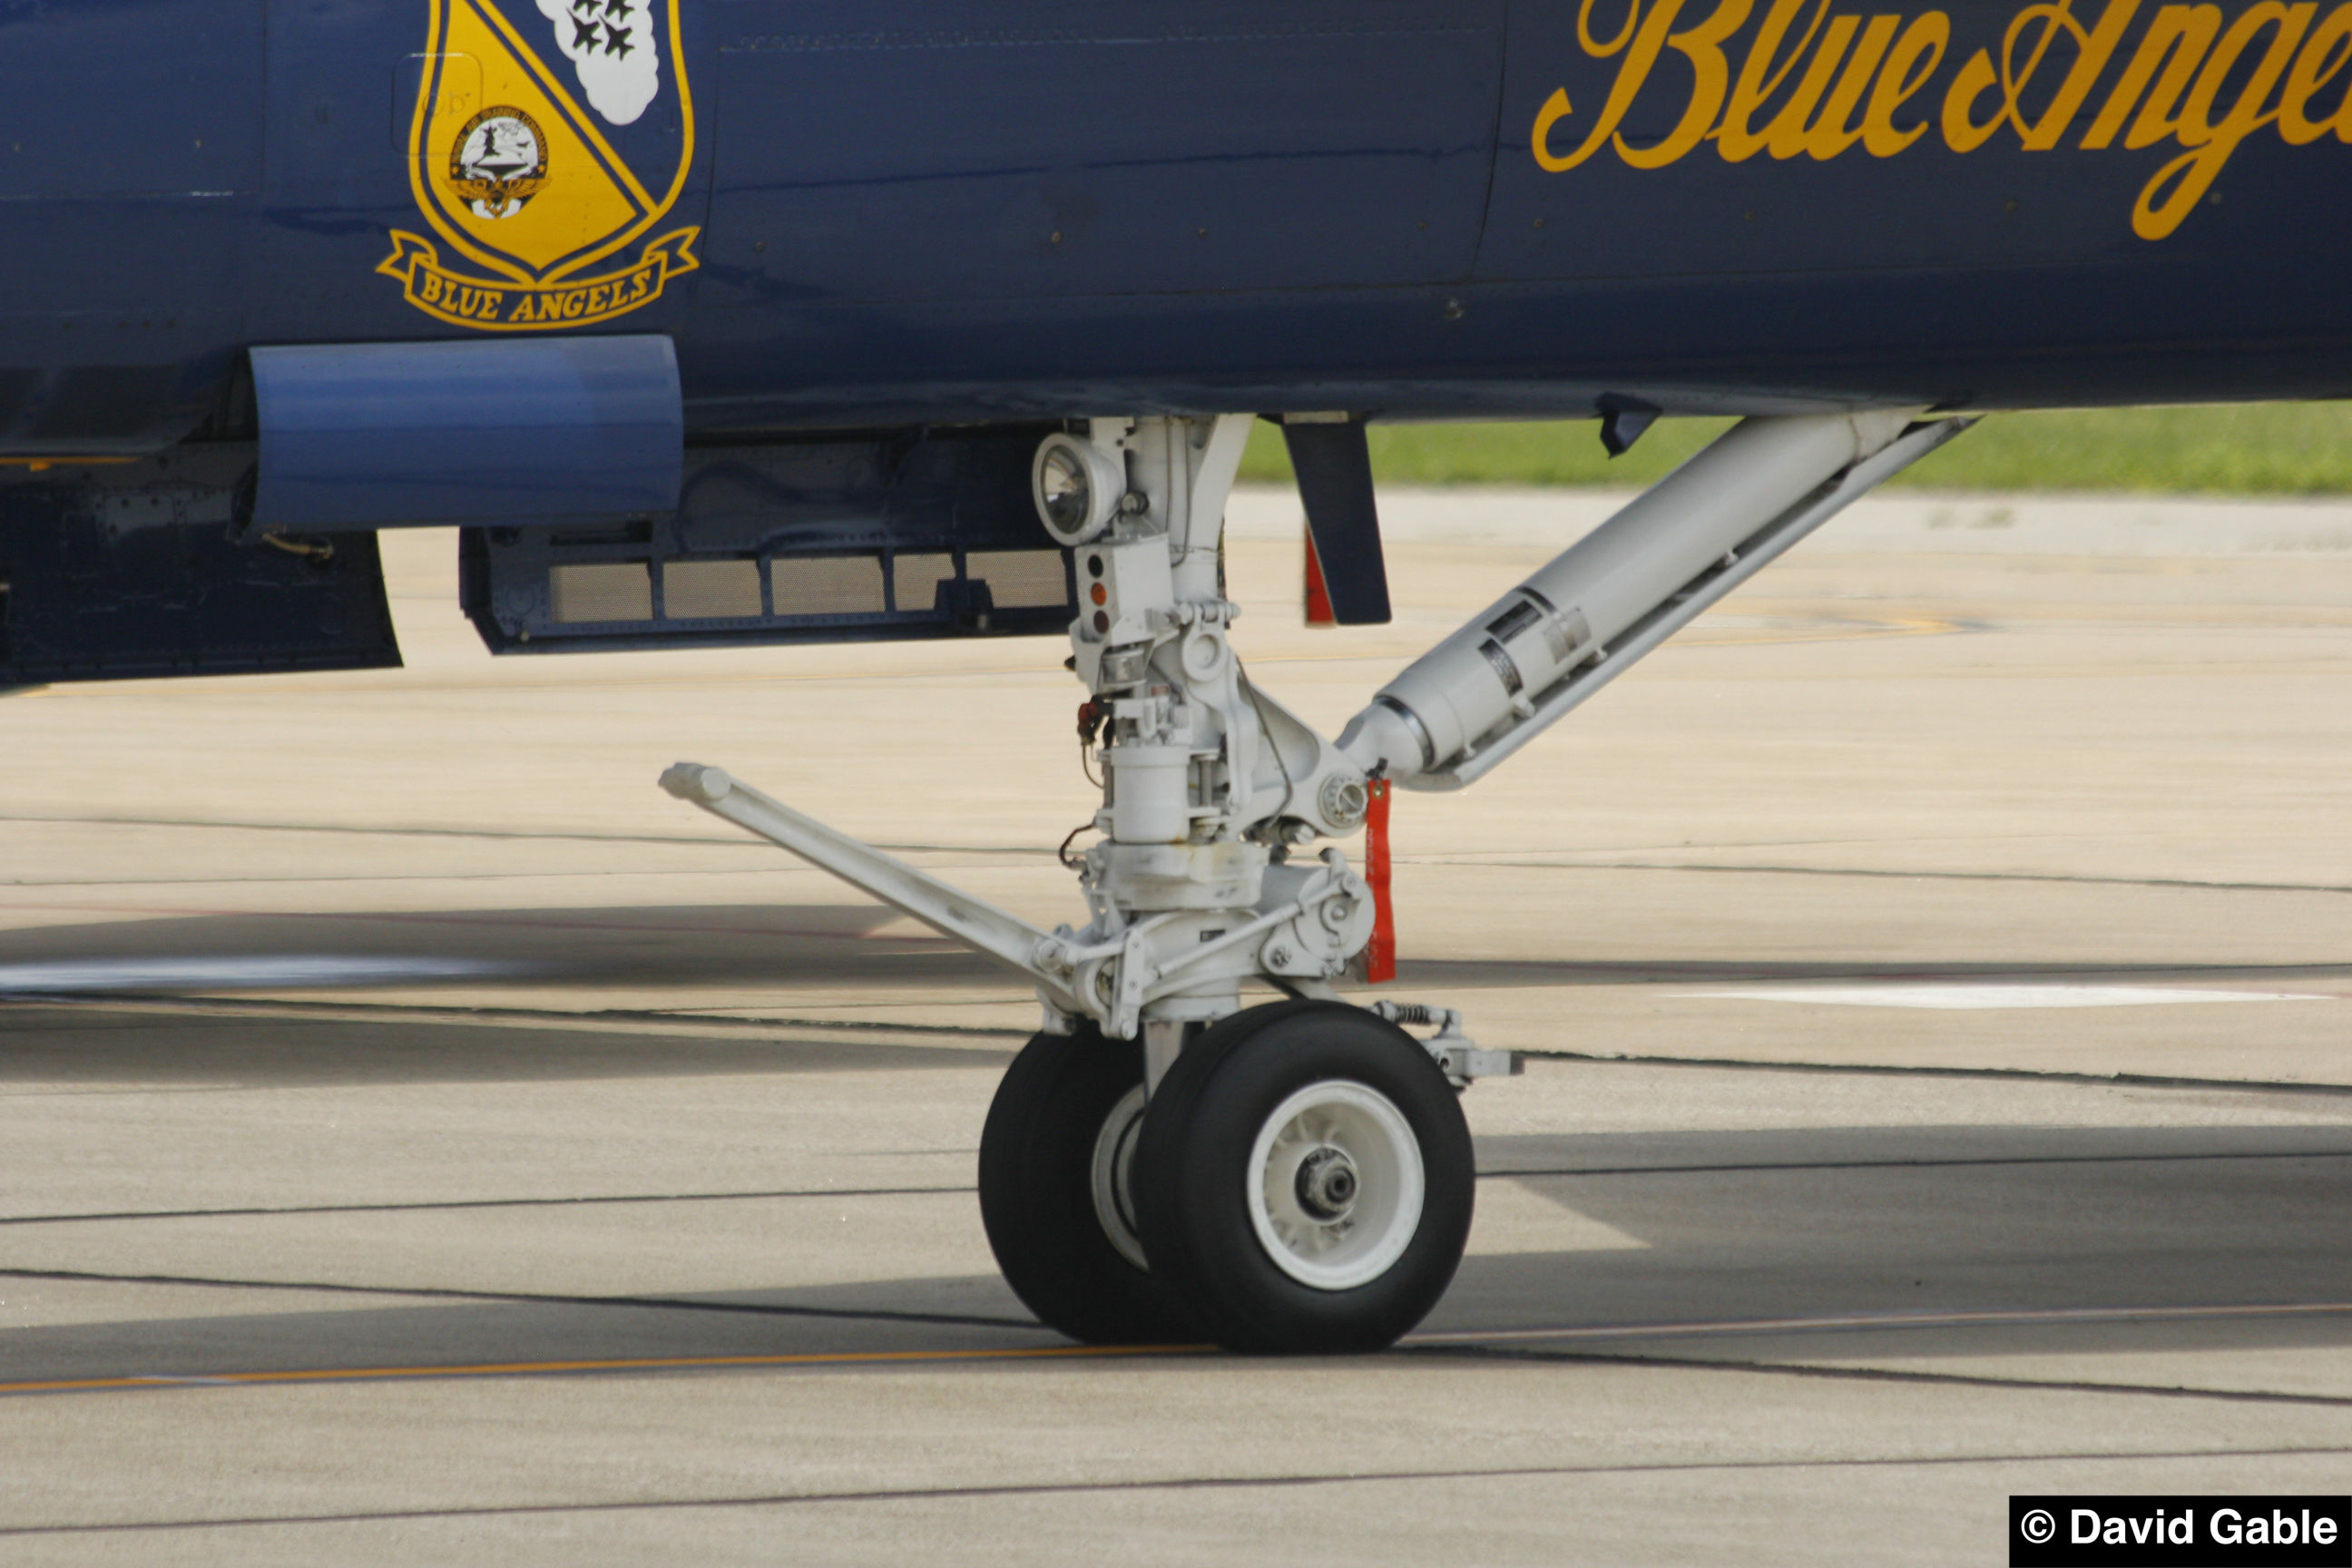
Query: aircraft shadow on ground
(1773, 1222)
(95, 1044)
(2000, 1219)
(590, 949)
(783, 945)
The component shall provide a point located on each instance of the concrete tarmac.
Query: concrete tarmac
(427, 1143)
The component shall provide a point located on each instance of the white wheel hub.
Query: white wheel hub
(1334, 1185)
(1114, 1175)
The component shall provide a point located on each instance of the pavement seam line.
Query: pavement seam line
(1182, 1483)
(1718, 868)
(300, 1209)
(1492, 1343)
(1958, 1162)
(465, 1370)
(370, 1011)
(1891, 1374)
(297, 1210)
(1983, 1317)
(162, 1002)
(517, 835)
(432, 1292)
(2022, 1075)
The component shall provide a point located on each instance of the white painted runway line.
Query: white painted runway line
(1968, 998)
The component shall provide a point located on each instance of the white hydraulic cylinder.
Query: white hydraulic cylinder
(1490, 677)
(1148, 802)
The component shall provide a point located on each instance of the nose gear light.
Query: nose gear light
(1077, 488)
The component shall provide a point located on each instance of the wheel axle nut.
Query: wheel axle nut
(1327, 1183)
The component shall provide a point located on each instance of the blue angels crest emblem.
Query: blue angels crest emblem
(549, 141)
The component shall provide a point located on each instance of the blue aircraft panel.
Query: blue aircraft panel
(987, 151)
(130, 161)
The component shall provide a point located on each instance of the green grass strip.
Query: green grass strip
(2250, 449)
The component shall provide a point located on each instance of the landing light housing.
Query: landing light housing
(1077, 488)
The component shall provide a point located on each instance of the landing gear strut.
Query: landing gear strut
(1159, 1163)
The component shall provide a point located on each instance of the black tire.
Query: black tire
(1037, 1199)
(1193, 1188)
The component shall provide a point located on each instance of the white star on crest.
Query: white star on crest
(611, 45)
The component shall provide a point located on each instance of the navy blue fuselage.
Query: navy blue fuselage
(970, 210)
(740, 320)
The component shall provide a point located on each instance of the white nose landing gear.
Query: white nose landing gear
(1159, 1163)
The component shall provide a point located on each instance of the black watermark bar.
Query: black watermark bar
(2180, 1532)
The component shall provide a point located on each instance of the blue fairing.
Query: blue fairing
(561, 429)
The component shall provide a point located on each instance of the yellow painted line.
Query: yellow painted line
(550, 1368)
(40, 465)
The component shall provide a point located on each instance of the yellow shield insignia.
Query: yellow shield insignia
(548, 138)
